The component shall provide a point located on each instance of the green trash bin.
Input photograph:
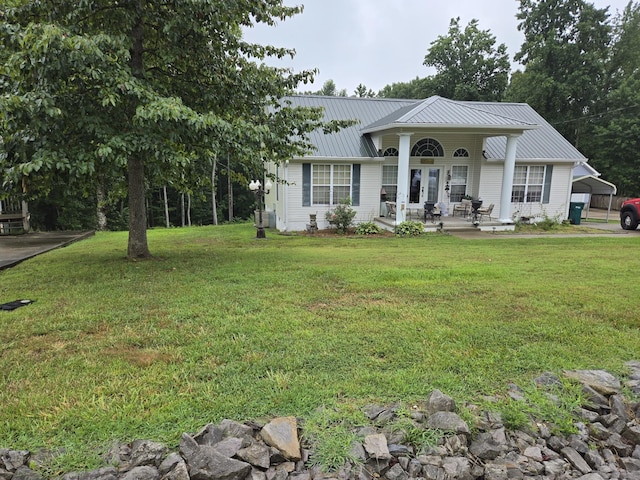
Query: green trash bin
(575, 212)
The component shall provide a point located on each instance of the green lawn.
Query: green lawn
(221, 325)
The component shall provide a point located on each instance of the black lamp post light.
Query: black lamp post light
(260, 191)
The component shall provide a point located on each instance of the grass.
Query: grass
(221, 325)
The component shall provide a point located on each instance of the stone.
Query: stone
(256, 474)
(376, 447)
(548, 379)
(169, 463)
(495, 471)
(619, 407)
(594, 459)
(208, 435)
(617, 443)
(372, 411)
(188, 446)
(396, 473)
(256, 454)
(636, 452)
(631, 464)
(25, 473)
(145, 472)
(591, 476)
(414, 468)
(485, 447)
(357, 451)
(230, 446)
(457, 467)
(106, 473)
(598, 401)
(13, 459)
(554, 468)
(433, 472)
(601, 381)
(231, 428)
(178, 472)
(534, 453)
(439, 402)
(632, 434)
(399, 450)
(282, 433)
(599, 431)
(448, 422)
(146, 452)
(208, 464)
(576, 460)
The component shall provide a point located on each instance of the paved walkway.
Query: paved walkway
(16, 248)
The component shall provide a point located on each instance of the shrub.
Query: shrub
(368, 228)
(342, 216)
(409, 228)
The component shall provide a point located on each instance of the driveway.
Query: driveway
(16, 248)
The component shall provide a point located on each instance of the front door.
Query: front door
(424, 185)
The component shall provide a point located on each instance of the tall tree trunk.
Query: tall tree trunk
(189, 209)
(214, 206)
(166, 206)
(101, 198)
(229, 189)
(182, 219)
(138, 247)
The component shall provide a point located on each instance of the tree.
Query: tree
(614, 143)
(468, 65)
(329, 89)
(139, 90)
(362, 91)
(564, 54)
(417, 88)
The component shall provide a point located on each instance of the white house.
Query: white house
(435, 150)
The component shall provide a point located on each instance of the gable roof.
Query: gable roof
(539, 140)
(440, 112)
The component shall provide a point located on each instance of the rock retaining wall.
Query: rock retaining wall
(606, 447)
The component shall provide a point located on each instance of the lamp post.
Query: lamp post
(260, 191)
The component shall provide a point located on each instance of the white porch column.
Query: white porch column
(404, 149)
(507, 178)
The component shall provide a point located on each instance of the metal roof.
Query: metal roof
(348, 142)
(539, 140)
(593, 185)
(438, 111)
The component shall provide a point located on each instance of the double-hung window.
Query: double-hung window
(528, 184)
(390, 181)
(330, 183)
(458, 182)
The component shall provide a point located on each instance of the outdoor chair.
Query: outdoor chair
(464, 207)
(391, 208)
(486, 211)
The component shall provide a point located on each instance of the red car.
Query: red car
(630, 214)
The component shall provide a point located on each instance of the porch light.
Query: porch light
(259, 191)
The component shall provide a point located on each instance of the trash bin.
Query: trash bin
(575, 212)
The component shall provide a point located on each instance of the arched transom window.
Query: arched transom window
(391, 152)
(461, 152)
(427, 147)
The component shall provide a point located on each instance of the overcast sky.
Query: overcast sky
(379, 42)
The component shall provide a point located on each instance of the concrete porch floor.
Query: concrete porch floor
(449, 223)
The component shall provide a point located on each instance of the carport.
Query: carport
(592, 185)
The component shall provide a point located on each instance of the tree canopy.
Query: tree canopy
(468, 64)
(136, 90)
